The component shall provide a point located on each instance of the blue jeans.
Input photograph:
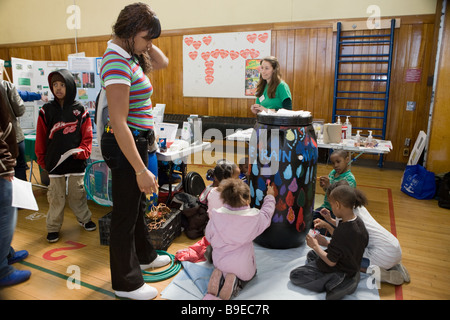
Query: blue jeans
(8, 219)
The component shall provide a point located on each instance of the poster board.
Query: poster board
(29, 75)
(86, 71)
(214, 65)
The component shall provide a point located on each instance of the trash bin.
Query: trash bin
(283, 151)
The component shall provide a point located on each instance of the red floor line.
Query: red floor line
(398, 289)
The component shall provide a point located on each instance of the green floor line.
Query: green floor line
(64, 277)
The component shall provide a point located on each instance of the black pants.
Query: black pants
(130, 244)
(21, 165)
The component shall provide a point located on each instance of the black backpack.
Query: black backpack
(444, 192)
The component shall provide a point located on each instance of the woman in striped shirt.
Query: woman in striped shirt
(130, 56)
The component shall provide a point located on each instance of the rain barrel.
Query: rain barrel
(283, 152)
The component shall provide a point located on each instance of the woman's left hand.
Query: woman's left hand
(147, 182)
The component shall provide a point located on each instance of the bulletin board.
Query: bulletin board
(214, 65)
(29, 75)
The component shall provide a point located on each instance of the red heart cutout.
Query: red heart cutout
(209, 71)
(188, 40)
(223, 53)
(197, 44)
(254, 53)
(244, 53)
(263, 37)
(209, 79)
(234, 54)
(209, 63)
(193, 55)
(207, 40)
(205, 55)
(215, 53)
(251, 37)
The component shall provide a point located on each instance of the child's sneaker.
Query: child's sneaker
(52, 237)
(214, 282)
(229, 287)
(88, 226)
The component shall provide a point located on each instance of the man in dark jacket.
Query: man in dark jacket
(8, 214)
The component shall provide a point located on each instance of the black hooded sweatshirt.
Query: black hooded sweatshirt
(60, 129)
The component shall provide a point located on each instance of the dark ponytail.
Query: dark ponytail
(348, 196)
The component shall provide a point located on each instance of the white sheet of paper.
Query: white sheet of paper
(23, 196)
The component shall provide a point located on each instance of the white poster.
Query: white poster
(214, 65)
(86, 71)
(32, 76)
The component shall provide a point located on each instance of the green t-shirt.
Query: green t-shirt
(276, 103)
(347, 175)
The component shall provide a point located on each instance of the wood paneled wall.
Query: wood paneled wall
(306, 51)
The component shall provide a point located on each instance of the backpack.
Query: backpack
(444, 192)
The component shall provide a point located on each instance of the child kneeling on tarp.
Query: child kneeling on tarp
(231, 231)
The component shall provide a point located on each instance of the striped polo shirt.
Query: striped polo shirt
(118, 67)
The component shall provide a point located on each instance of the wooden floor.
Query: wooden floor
(422, 228)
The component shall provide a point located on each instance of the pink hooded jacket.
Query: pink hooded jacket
(231, 232)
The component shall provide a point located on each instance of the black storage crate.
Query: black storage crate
(160, 238)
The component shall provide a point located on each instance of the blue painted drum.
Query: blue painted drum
(283, 152)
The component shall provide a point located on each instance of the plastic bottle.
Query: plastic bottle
(358, 138)
(344, 131)
(349, 128)
(370, 139)
(338, 120)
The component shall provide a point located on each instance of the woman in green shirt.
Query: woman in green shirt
(272, 92)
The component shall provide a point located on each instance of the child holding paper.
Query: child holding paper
(64, 132)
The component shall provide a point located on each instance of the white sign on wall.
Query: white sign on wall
(29, 75)
(214, 64)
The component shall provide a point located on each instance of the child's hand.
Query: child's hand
(321, 240)
(319, 224)
(270, 190)
(324, 181)
(325, 213)
(311, 241)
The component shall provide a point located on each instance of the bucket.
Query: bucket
(283, 152)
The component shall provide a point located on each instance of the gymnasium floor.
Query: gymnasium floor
(422, 228)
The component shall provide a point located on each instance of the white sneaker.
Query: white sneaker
(145, 292)
(160, 261)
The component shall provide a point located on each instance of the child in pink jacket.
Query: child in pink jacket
(231, 231)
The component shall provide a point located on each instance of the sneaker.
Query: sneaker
(391, 276)
(405, 274)
(214, 282)
(145, 292)
(18, 256)
(228, 287)
(52, 237)
(17, 276)
(160, 261)
(88, 226)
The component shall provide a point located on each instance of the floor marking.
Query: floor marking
(64, 277)
(398, 289)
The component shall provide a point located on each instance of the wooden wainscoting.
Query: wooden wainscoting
(306, 51)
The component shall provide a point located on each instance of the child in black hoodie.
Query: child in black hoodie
(64, 128)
